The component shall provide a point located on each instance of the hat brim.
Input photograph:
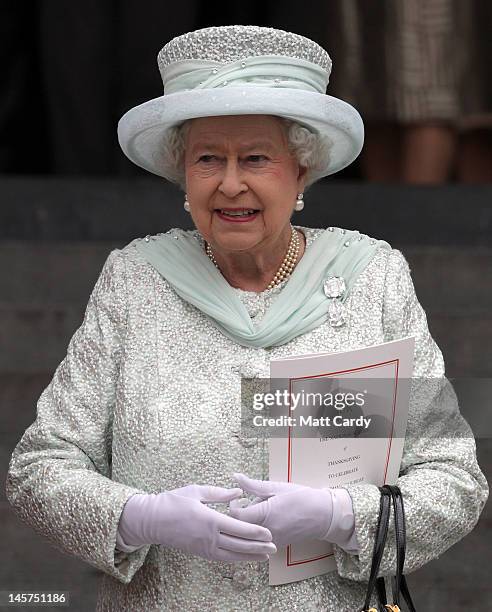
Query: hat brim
(142, 129)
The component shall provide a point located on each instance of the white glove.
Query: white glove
(179, 519)
(294, 513)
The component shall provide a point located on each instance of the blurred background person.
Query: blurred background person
(418, 70)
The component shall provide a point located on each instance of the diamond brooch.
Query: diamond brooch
(334, 288)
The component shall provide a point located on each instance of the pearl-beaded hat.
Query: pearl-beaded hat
(241, 70)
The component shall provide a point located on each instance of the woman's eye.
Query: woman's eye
(206, 158)
(256, 158)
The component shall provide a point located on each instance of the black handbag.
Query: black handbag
(390, 494)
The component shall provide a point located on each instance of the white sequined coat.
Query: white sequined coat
(147, 399)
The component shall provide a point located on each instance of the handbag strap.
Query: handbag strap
(400, 542)
(404, 586)
(400, 557)
(381, 591)
(379, 542)
(398, 582)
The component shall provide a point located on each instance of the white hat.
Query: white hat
(241, 70)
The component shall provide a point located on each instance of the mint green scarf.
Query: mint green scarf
(300, 306)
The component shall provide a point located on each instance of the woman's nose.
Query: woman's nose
(232, 181)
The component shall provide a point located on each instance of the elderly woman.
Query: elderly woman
(138, 435)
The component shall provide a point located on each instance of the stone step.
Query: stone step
(447, 279)
(19, 394)
(30, 563)
(93, 208)
(36, 338)
(41, 274)
(47, 285)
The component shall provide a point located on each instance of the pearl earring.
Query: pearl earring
(186, 204)
(299, 202)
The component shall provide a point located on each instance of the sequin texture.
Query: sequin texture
(227, 44)
(148, 399)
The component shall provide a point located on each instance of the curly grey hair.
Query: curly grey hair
(311, 150)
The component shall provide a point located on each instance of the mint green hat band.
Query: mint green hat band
(264, 70)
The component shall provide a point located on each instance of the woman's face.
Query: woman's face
(241, 162)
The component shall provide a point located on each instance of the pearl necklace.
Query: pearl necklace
(287, 265)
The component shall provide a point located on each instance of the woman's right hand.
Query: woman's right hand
(180, 519)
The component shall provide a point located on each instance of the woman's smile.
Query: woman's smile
(237, 215)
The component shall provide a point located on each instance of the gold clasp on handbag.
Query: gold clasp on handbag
(393, 608)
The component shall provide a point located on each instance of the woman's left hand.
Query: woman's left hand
(291, 512)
